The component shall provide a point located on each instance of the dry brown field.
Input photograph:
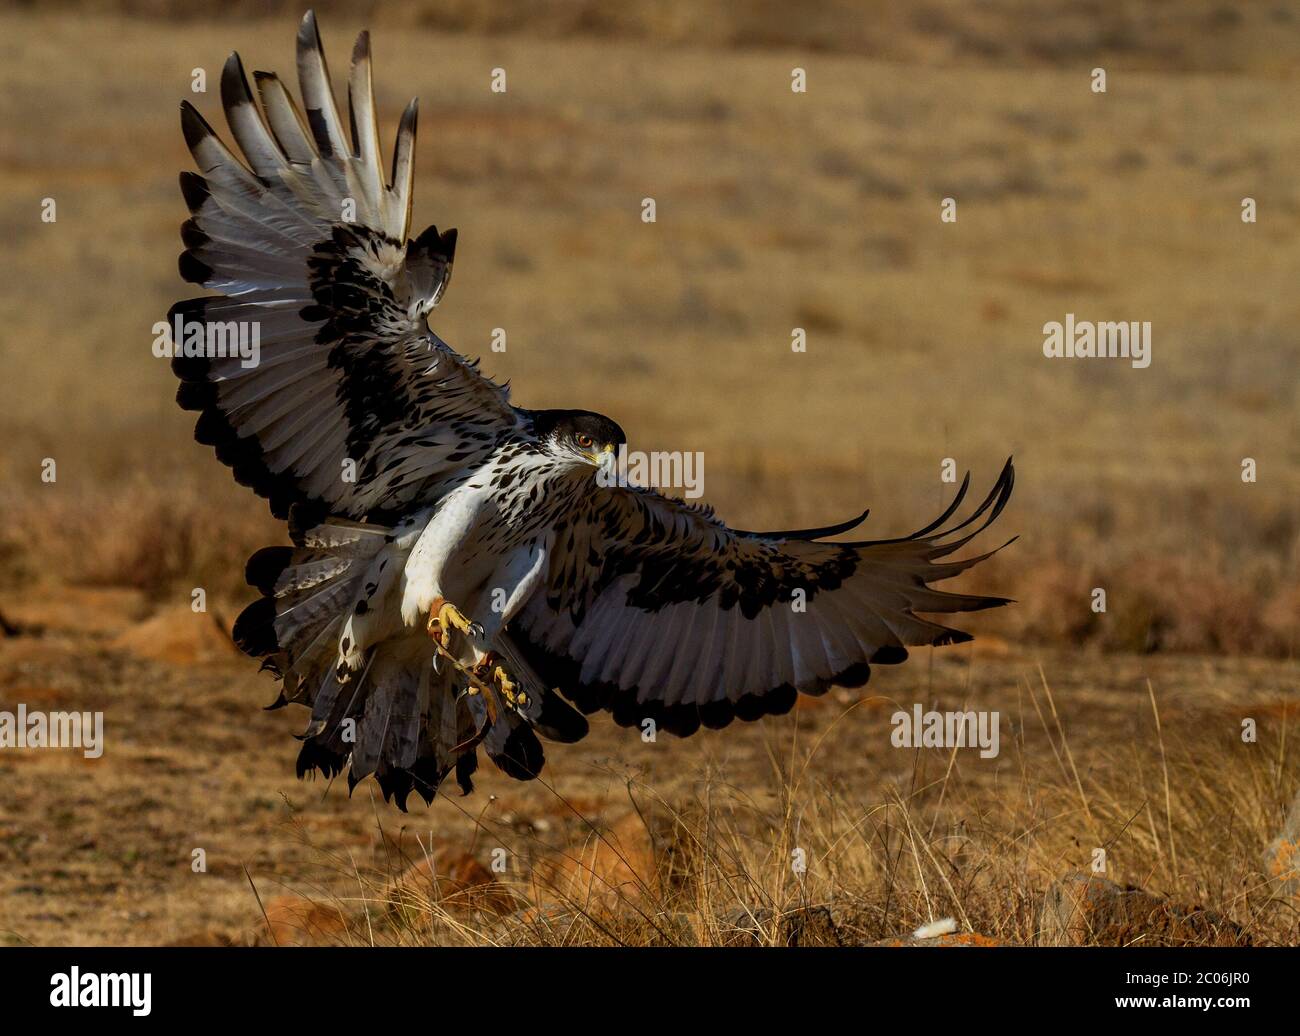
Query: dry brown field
(775, 210)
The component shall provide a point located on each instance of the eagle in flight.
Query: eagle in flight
(459, 577)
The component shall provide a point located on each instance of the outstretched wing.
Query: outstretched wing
(352, 402)
(655, 609)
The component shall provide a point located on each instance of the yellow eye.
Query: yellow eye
(584, 441)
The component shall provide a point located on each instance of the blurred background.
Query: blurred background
(775, 210)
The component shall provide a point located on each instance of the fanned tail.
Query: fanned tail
(381, 702)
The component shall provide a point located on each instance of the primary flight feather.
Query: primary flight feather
(458, 577)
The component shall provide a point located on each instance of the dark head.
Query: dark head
(577, 435)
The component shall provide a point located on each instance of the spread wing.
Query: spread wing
(655, 609)
(352, 402)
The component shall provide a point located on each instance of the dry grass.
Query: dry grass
(1187, 819)
(924, 339)
(162, 541)
(1196, 35)
(1238, 597)
(100, 851)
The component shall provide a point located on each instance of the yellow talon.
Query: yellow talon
(451, 616)
(506, 685)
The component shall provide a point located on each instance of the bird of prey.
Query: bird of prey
(459, 577)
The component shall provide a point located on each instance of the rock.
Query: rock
(179, 636)
(295, 921)
(453, 881)
(947, 939)
(1282, 863)
(1282, 857)
(1083, 910)
(608, 872)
